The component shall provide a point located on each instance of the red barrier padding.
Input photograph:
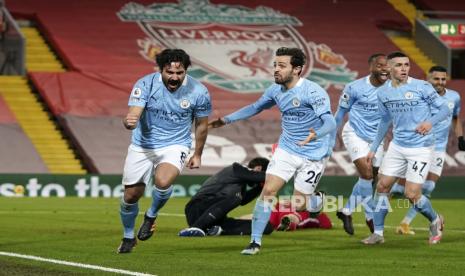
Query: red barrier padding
(6, 116)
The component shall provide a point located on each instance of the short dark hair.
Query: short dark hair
(374, 57)
(396, 55)
(298, 57)
(172, 55)
(437, 68)
(259, 161)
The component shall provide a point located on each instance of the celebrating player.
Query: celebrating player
(360, 101)
(304, 143)
(406, 102)
(162, 107)
(438, 78)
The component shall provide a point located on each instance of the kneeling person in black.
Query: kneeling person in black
(221, 193)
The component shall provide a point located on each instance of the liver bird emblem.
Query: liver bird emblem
(259, 61)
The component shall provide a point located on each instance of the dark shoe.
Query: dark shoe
(370, 225)
(126, 245)
(284, 225)
(346, 221)
(215, 231)
(146, 229)
(191, 232)
(252, 249)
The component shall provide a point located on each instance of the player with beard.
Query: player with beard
(162, 108)
(304, 144)
(406, 103)
(437, 76)
(360, 101)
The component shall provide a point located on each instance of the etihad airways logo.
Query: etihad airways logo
(232, 46)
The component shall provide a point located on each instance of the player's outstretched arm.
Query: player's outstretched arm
(201, 132)
(131, 119)
(217, 123)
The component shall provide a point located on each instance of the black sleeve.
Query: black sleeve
(251, 194)
(246, 175)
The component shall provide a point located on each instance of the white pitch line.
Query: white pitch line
(80, 265)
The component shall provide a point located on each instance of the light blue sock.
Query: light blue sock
(260, 218)
(411, 214)
(380, 209)
(425, 208)
(315, 203)
(159, 198)
(354, 199)
(397, 189)
(428, 188)
(365, 190)
(128, 213)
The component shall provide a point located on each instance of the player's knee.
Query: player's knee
(133, 193)
(269, 191)
(163, 182)
(382, 187)
(131, 198)
(412, 196)
(367, 174)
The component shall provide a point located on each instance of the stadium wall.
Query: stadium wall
(48, 185)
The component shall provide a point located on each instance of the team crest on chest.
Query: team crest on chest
(409, 95)
(295, 102)
(450, 105)
(185, 103)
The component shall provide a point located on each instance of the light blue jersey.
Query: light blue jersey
(360, 99)
(407, 106)
(167, 117)
(441, 130)
(301, 108)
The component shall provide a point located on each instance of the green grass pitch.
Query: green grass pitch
(88, 231)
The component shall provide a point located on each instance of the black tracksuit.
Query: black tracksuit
(220, 194)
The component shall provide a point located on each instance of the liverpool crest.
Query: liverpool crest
(231, 46)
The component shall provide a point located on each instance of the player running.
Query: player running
(305, 107)
(406, 103)
(437, 76)
(360, 101)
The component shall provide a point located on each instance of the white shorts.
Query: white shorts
(307, 173)
(140, 162)
(410, 163)
(437, 162)
(358, 148)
